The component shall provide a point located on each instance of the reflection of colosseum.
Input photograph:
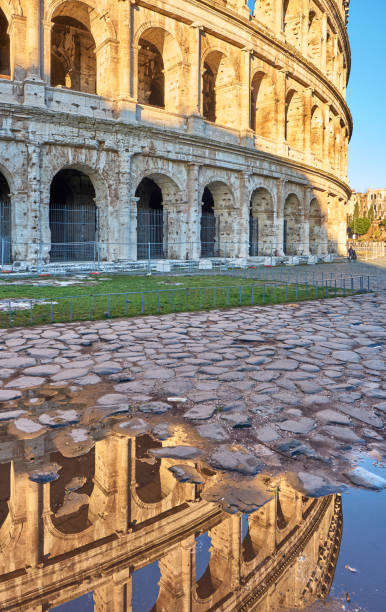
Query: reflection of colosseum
(191, 126)
(135, 515)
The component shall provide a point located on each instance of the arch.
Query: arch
(69, 516)
(87, 13)
(218, 88)
(331, 141)
(5, 491)
(5, 53)
(330, 55)
(317, 132)
(292, 226)
(294, 120)
(317, 231)
(5, 222)
(73, 58)
(291, 24)
(314, 37)
(263, 105)
(72, 216)
(261, 226)
(159, 68)
(154, 481)
(218, 221)
(158, 221)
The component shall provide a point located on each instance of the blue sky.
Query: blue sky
(366, 94)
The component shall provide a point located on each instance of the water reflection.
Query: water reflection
(118, 525)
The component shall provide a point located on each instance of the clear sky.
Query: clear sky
(366, 94)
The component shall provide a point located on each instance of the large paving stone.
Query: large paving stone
(309, 387)
(110, 367)
(9, 394)
(44, 370)
(302, 426)
(17, 362)
(266, 434)
(155, 408)
(363, 415)
(176, 452)
(70, 374)
(25, 382)
(43, 353)
(213, 431)
(202, 412)
(224, 458)
(379, 365)
(237, 419)
(283, 365)
(333, 417)
(343, 433)
(346, 356)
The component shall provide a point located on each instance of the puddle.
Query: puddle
(99, 517)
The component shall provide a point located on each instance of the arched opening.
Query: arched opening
(145, 588)
(291, 24)
(154, 480)
(261, 228)
(317, 132)
(151, 80)
(331, 142)
(159, 70)
(330, 54)
(151, 221)
(294, 118)
(208, 225)
(5, 490)
(314, 37)
(73, 58)
(5, 222)
(292, 227)
(5, 61)
(73, 217)
(317, 230)
(262, 106)
(218, 221)
(218, 99)
(207, 581)
(70, 493)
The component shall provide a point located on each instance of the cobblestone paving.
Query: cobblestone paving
(305, 381)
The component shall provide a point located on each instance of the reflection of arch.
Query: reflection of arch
(5, 63)
(292, 225)
(261, 228)
(65, 519)
(73, 44)
(217, 219)
(5, 490)
(262, 105)
(218, 88)
(317, 132)
(72, 216)
(294, 118)
(5, 222)
(153, 478)
(159, 68)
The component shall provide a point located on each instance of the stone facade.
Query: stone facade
(374, 199)
(195, 126)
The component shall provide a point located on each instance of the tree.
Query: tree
(360, 226)
(383, 222)
(356, 210)
(371, 213)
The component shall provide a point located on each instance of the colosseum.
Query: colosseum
(173, 129)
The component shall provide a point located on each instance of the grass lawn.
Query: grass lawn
(135, 295)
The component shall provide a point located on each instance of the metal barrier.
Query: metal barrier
(132, 303)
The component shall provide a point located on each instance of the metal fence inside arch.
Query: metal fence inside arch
(73, 233)
(5, 232)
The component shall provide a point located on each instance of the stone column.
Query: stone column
(127, 205)
(47, 28)
(194, 103)
(126, 102)
(307, 123)
(245, 96)
(336, 60)
(281, 92)
(193, 231)
(243, 234)
(323, 50)
(34, 86)
(39, 235)
(18, 49)
(326, 114)
(306, 221)
(106, 59)
(280, 215)
(304, 27)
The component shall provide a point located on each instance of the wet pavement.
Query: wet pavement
(126, 441)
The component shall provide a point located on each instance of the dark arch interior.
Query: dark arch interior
(5, 490)
(209, 94)
(5, 64)
(5, 222)
(150, 220)
(253, 232)
(208, 225)
(151, 79)
(73, 59)
(73, 217)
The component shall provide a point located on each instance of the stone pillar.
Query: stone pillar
(177, 246)
(307, 123)
(243, 234)
(107, 56)
(127, 206)
(126, 102)
(245, 96)
(194, 103)
(326, 114)
(323, 50)
(116, 595)
(336, 60)
(281, 92)
(39, 235)
(193, 230)
(306, 221)
(47, 28)
(34, 86)
(280, 215)
(18, 50)
(304, 27)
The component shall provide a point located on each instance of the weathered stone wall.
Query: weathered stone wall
(191, 97)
